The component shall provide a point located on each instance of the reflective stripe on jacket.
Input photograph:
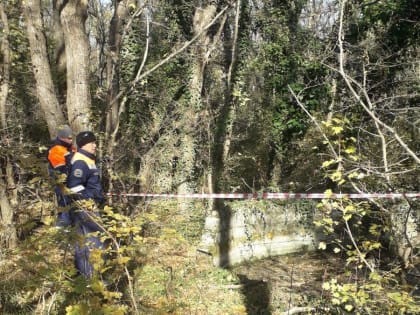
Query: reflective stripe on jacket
(84, 178)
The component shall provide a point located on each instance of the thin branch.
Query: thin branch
(219, 32)
(122, 105)
(392, 98)
(349, 82)
(169, 57)
(117, 246)
(372, 200)
(361, 256)
(381, 136)
(330, 146)
(146, 51)
(235, 41)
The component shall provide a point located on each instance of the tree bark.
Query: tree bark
(41, 67)
(112, 63)
(58, 37)
(5, 70)
(202, 17)
(58, 63)
(73, 17)
(8, 235)
(221, 147)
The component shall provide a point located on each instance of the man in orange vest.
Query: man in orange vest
(59, 159)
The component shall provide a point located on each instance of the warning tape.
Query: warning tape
(266, 195)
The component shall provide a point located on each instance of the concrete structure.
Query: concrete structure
(252, 229)
(244, 230)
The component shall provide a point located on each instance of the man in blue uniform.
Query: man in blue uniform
(85, 184)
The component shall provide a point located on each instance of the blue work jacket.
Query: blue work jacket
(84, 178)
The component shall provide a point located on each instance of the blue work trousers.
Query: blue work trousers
(63, 217)
(84, 227)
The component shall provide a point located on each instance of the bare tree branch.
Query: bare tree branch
(169, 57)
(330, 146)
(349, 82)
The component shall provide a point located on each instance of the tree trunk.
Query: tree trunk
(41, 67)
(59, 61)
(112, 63)
(73, 18)
(58, 38)
(221, 148)
(8, 236)
(202, 17)
(5, 70)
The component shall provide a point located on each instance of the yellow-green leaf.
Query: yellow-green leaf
(328, 193)
(123, 260)
(337, 130)
(335, 301)
(336, 176)
(348, 307)
(349, 208)
(350, 150)
(328, 163)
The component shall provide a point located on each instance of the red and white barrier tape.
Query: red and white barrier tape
(272, 195)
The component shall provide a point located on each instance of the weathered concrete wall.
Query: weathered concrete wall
(255, 229)
(244, 230)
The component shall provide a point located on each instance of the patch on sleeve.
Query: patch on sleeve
(78, 173)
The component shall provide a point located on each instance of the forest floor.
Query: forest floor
(170, 276)
(276, 286)
(293, 284)
(177, 279)
(282, 284)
